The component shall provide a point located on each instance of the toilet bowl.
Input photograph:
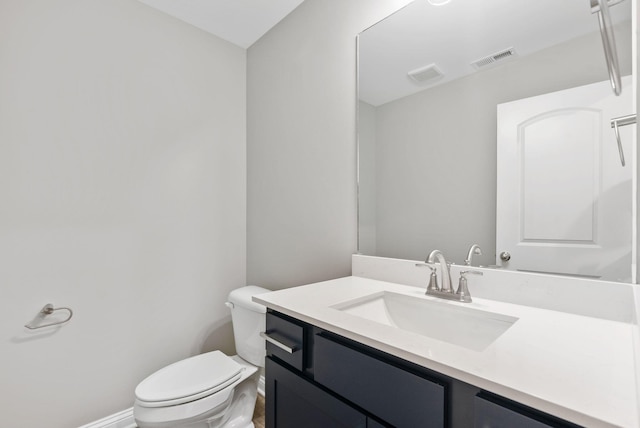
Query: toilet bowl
(210, 390)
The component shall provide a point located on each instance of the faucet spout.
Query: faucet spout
(446, 276)
(475, 249)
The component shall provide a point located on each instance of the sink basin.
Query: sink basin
(450, 322)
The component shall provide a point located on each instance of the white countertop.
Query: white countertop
(578, 368)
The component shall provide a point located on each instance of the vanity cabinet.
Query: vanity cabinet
(320, 379)
(295, 402)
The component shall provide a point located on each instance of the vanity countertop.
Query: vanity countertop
(578, 368)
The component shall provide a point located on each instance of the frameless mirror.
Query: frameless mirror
(487, 122)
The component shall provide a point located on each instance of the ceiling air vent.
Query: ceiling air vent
(493, 58)
(425, 74)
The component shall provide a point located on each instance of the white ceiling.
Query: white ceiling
(240, 22)
(460, 32)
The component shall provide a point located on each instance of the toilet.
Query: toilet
(210, 390)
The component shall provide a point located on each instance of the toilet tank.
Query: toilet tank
(248, 320)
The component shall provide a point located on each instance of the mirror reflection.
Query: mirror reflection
(489, 123)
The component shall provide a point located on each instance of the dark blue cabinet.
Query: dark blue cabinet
(294, 402)
(330, 381)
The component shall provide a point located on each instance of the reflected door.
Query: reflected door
(563, 197)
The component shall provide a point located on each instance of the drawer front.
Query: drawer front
(285, 340)
(489, 414)
(293, 402)
(396, 396)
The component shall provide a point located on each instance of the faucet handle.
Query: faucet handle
(427, 265)
(474, 272)
(463, 291)
(433, 278)
(433, 268)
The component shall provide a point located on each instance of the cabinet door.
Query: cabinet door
(489, 414)
(374, 424)
(294, 402)
(393, 394)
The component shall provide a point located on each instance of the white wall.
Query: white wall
(301, 83)
(122, 196)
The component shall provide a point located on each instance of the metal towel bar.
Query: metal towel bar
(616, 122)
(595, 6)
(48, 309)
(601, 7)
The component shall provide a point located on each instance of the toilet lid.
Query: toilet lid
(189, 379)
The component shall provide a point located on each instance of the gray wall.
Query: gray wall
(122, 196)
(367, 201)
(301, 83)
(436, 150)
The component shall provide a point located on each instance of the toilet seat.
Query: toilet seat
(188, 380)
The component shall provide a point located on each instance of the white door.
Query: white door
(564, 201)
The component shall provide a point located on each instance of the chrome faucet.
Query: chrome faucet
(446, 291)
(475, 249)
(446, 275)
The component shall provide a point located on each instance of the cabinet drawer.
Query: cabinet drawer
(285, 340)
(399, 397)
(490, 414)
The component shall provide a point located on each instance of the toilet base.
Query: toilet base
(236, 411)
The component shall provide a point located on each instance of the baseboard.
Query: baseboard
(261, 385)
(122, 419)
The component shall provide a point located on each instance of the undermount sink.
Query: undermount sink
(470, 328)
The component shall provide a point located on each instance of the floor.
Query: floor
(258, 413)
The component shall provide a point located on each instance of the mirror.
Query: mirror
(432, 80)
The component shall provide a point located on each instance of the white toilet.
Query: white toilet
(210, 390)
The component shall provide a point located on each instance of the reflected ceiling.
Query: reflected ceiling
(474, 29)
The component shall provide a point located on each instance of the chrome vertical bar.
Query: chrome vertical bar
(609, 44)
